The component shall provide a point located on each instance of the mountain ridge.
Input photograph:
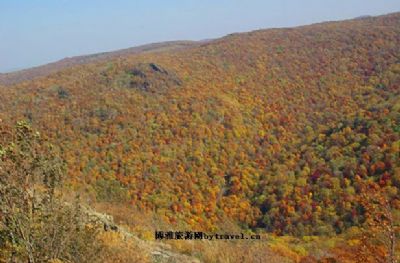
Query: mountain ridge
(14, 77)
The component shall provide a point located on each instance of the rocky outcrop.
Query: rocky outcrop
(160, 252)
(151, 77)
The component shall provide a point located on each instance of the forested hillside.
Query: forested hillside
(279, 131)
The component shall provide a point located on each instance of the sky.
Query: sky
(35, 32)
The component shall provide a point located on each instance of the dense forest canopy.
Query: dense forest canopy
(277, 129)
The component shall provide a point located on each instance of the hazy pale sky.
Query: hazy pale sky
(34, 32)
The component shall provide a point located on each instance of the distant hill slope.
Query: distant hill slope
(44, 70)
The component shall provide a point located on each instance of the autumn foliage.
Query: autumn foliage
(277, 130)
